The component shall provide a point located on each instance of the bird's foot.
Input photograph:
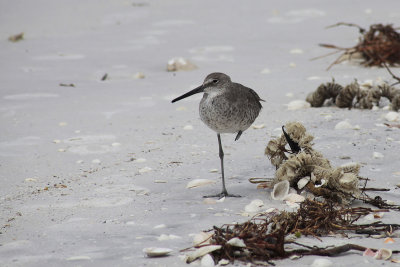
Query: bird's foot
(221, 195)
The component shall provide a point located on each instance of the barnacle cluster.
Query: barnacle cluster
(366, 96)
(342, 182)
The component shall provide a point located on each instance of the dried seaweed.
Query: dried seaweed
(366, 97)
(340, 184)
(266, 234)
(378, 46)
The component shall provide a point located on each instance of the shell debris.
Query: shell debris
(236, 242)
(199, 182)
(157, 252)
(280, 190)
(207, 261)
(255, 205)
(298, 104)
(201, 252)
(258, 126)
(179, 64)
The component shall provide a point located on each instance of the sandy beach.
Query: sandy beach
(94, 158)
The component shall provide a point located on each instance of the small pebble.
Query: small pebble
(296, 51)
(298, 104)
(188, 127)
(96, 161)
(139, 75)
(79, 161)
(258, 126)
(145, 169)
(292, 65)
(392, 116)
(343, 125)
(61, 150)
(115, 144)
(377, 155)
(62, 124)
(141, 160)
(160, 226)
(56, 141)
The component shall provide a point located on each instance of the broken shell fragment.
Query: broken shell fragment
(294, 198)
(207, 261)
(157, 252)
(199, 182)
(201, 252)
(303, 182)
(383, 254)
(236, 242)
(202, 238)
(179, 63)
(280, 190)
(255, 206)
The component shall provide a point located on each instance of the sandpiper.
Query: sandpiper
(226, 107)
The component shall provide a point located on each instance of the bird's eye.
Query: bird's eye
(215, 81)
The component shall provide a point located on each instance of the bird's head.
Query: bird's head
(213, 83)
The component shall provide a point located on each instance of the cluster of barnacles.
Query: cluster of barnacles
(366, 96)
(307, 168)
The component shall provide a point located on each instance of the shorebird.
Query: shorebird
(226, 107)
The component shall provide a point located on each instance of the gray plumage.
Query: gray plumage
(226, 107)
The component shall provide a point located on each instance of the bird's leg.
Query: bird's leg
(224, 192)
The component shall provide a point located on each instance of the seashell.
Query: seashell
(179, 63)
(223, 262)
(145, 169)
(214, 170)
(199, 182)
(298, 104)
(202, 238)
(369, 253)
(383, 254)
(313, 178)
(255, 206)
(377, 155)
(292, 205)
(140, 160)
(258, 126)
(236, 242)
(294, 198)
(96, 161)
(139, 75)
(321, 183)
(164, 237)
(280, 190)
(321, 262)
(157, 252)
(292, 65)
(207, 261)
(343, 125)
(303, 182)
(159, 226)
(188, 127)
(392, 116)
(296, 51)
(201, 252)
(389, 240)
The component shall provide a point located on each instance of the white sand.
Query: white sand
(121, 155)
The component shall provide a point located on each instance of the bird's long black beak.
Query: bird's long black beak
(197, 90)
